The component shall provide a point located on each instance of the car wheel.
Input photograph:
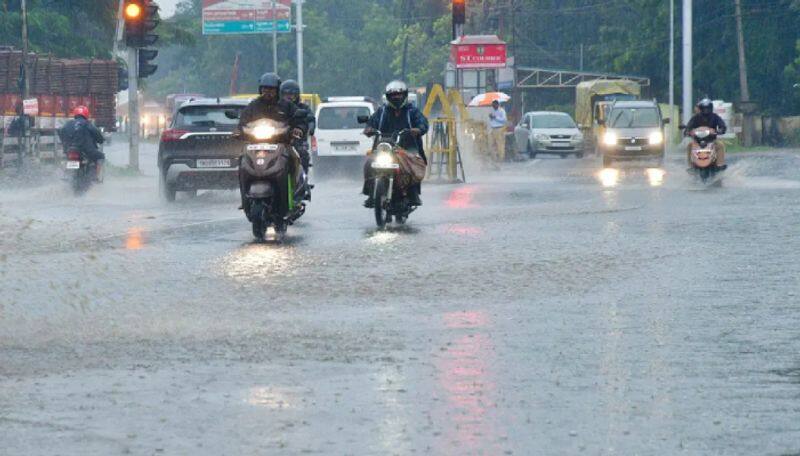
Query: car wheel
(530, 150)
(166, 189)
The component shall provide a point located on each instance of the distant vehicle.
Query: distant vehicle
(548, 132)
(338, 136)
(634, 130)
(197, 151)
(592, 102)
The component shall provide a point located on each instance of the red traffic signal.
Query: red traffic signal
(459, 11)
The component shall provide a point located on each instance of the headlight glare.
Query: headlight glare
(610, 138)
(656, 138)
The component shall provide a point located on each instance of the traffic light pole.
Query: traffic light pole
(299, 30)
(133, 108)
(274, 39)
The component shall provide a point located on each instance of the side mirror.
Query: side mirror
(231, 114)
(301, 114)
(362, 119)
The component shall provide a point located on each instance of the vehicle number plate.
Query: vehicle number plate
(214, 163)
(73, 164)
(345, 148)
(262, 147)
(633, 148)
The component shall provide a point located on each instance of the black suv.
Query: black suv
(197, 151)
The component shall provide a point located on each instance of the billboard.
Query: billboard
(233, 17)
(478, 52)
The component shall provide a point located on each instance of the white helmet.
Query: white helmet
(396, 94)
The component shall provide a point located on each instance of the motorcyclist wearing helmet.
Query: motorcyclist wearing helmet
(706, 117)
(268, 105)
(81, 134)
(397, 114)
(290, 91)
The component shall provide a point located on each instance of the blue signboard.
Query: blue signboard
(239, 27)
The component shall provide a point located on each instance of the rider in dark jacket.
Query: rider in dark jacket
(290, 91)
(706, 117)
(395, 115)
(268, 106)
(79, 133)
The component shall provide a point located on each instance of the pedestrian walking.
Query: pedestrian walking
(497, 131)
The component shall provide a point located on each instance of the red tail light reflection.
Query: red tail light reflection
(461, 198)
(73, 155)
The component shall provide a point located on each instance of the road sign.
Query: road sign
(31, 107)
(230, 17)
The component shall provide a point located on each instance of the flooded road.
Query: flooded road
(548, 308)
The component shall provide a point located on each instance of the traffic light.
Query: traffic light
(145, 67)
(141, 18)
(459, 11)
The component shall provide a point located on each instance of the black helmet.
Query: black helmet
(269, 80)
(290, 86)
(396, 94)
(705, 106)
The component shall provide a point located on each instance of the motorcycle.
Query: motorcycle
(80, 171)
(271, 170)
(391, 181)
(703, 154)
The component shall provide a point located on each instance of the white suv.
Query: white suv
(338, 136)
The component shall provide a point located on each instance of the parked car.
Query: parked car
(634, 131)
(338, 138)
(548, 132)
(197, 151)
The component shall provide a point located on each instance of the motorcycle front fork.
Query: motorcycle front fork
(389, 192)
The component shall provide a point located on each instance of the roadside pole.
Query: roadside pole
(274, 39)
(299, 31)
(133, 108)
(687, 61)
(672, 119)
(25, 85)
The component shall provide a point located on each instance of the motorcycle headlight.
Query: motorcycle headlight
(384, 148)
(383, 160)
(541, 137)
(656, 138)
(263, 131)
(610, 138)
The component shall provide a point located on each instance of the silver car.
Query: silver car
(548, 132)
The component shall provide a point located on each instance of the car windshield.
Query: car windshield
(552, 121)
(341, 117)
(206, 116)
(634, 118)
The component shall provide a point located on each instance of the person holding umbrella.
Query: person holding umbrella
(497, 130)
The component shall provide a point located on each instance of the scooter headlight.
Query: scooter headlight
(656, 138)
(384, 160)
(610, 138)
(263, 131)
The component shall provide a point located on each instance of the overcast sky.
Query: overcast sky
(167, 7)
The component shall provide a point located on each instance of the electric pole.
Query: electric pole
(24, 84)
(299, 31)
(746, 107)
(274, 39)
(671, 70)
(687, 61)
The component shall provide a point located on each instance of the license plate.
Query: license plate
(73, 164)
(633, 147)
(391, 166)
(345, 148)
(262, 147)
(214, 163)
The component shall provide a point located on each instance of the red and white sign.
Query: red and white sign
(478, 52)
(30, 107)
(246, 10)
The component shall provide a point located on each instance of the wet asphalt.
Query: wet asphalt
(546, 308)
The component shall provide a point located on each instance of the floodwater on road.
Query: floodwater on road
(548, 308)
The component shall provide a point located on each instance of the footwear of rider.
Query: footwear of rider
(415, 199)
(370, 202)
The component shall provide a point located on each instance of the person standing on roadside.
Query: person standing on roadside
(497, 130)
